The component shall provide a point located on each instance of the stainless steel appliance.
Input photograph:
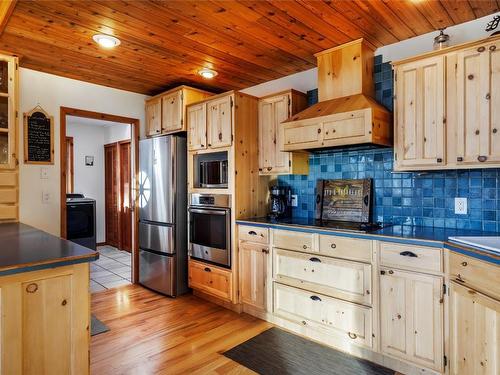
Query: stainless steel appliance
(80, 220)
(210, 228)
(211, 170)
(280, 202)
(162, 214)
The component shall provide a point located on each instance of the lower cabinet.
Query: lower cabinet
(411, 317)
(474, 332)
(325, 314)
(210, 279)
(253, 274)
(45, 321)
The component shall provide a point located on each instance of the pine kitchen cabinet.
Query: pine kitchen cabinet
(9, 180)
(273, 110)
(166, 112)
(447, 108)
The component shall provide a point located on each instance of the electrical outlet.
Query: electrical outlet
(44, 173)
(461, 206)
(295, 200)
(45, 197)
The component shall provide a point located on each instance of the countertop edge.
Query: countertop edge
(466, 250)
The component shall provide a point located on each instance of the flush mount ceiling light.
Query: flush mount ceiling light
(207, 73)
(106, 41)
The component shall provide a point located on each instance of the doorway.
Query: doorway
(125, 183)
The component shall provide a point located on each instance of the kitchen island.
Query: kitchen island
(45, 301)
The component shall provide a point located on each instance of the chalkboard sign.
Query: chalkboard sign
(38, 137)
(343, 200)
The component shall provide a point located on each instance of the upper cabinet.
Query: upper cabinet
(478, 104)
(273, 110)
(420, 117)
(165, 113)
(447, 108)
(211, 123)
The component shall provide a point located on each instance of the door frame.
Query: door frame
(134, 139)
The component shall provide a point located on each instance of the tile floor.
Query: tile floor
(111, 270)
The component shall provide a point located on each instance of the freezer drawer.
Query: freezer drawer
(157, 272)
(157, 237)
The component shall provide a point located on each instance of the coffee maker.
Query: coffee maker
(280, 202)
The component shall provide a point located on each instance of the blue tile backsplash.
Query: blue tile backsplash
(402, 198)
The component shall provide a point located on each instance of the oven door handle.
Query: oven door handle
(209, 212)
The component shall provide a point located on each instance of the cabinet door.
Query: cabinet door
(172, 112)
(420, 113)
(197, 125)
(281, 112)
(478, 110)
(302, 136)
(474, 332)
(253, 265)
(153, 117)
(210, 279)
(411, 317)
(220, 122)
(8, 147)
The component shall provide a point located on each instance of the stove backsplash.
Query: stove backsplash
(405, 198)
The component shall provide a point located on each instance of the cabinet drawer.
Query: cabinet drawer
(293, 240)
(338, 278)
(476, 274)
(413, 258)
(325, 314)
(253, 234)
(347, 248)
(210, 279)
(345, 128)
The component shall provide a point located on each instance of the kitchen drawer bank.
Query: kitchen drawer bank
(383, 298)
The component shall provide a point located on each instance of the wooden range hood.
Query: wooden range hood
(346, 114)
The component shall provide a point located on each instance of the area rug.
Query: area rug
(278, 352)
(96, 326)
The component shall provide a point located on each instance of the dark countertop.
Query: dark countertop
(408, 234)
(24, 248)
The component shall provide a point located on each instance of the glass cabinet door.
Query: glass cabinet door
(7, 113)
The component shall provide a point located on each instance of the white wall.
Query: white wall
(307, 80)
(52, 92)
(89, 140)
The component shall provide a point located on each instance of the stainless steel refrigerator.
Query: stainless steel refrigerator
(162, 214)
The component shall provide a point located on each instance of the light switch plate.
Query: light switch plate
(45, 197)
(461, 206)
(295, 200)
(44, 173)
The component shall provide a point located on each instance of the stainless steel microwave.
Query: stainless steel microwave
(211, 170)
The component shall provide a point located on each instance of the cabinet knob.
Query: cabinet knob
(481, 49)
(439, 160)
(202, 145)
(269, 168)
(477, 132)
(220, 136)
(207, 269)
(382, 272)
(352, 335)
(333, 246)
(460, 158)
(492, 48)
(398, 316)
(488, 96)
(464, 264)
(470, 76)
(481, 158)
(32, 288)
(209, 145)
(319, 131)
(265, 251)
(494, 131)
(64, 302)
(391, 272)
(304, 246)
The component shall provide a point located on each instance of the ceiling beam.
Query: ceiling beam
(6, 9)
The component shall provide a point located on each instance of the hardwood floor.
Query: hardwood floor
(151, 334)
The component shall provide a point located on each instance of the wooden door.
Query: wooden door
(111, 191)
(219, 122)
(253, 265)
(125, 186)
(70, 165)
(197, 125)
(411, 317)
(474, 332)
(172, 113)
(420, 113)
(153, 117)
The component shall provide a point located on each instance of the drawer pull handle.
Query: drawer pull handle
(352, 335)
(32, 288)
(252, 233)
(333, 246)
(314, 259)
(464, 264)
(315, 298)
(408, 254)
(207, 269)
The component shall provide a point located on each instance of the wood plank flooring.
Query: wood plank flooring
(152, 334)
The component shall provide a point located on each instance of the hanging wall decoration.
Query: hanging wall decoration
(38, 137)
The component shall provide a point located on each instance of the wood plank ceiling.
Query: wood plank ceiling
(165, 43)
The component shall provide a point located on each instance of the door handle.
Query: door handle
(408, 254)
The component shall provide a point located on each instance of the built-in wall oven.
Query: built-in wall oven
(210, 228)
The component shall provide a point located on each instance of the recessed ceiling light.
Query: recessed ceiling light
(106, 41)
(207, 73)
